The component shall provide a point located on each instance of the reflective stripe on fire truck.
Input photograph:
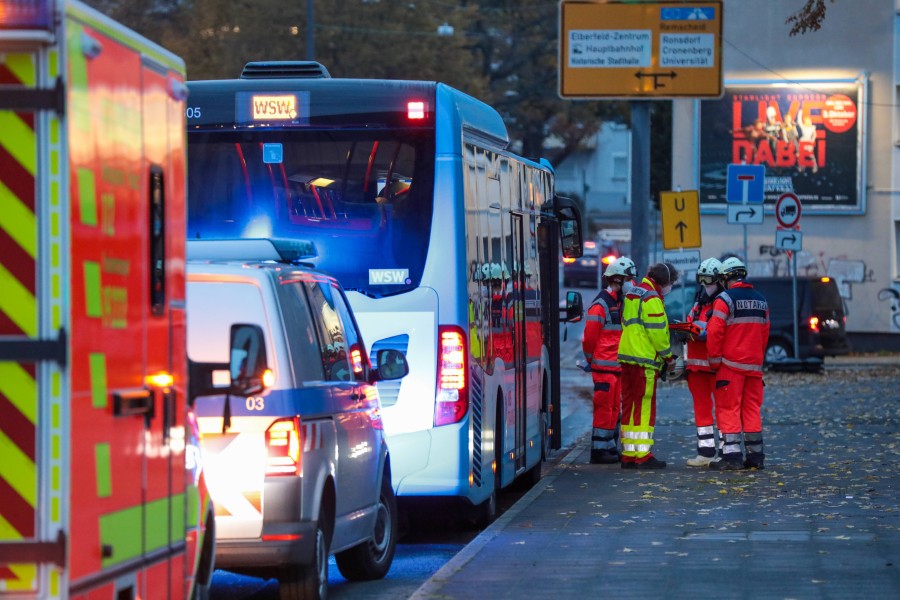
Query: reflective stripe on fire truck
(18, 317)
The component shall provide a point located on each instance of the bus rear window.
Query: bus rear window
(363, 197)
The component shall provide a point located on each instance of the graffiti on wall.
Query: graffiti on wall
(891, 296)
(853, 277)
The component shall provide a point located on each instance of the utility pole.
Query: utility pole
(640, 183)
(310, 31)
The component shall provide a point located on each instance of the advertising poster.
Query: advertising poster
(807, 134)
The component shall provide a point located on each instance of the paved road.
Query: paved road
(822, 521)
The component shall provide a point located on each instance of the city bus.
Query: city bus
(446, 242)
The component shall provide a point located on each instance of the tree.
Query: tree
(808, 18)
(516, 41)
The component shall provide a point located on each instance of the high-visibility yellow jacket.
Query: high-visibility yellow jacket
(645, 328)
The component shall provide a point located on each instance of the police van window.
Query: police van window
(356, 352)
(332, 339)
(301, 334)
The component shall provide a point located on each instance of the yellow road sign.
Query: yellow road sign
(633, 50)
(680, 219)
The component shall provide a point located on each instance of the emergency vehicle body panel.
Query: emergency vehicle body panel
(105, 494)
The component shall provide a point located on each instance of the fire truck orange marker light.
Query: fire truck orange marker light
(161, 379)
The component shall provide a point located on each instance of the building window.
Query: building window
(620, 166)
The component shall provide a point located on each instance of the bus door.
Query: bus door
(517, 316)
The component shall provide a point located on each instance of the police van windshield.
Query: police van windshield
(364, 197)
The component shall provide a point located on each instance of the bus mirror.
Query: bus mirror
(574, 307)
(569, 218)
(391, 364)
(248, 366)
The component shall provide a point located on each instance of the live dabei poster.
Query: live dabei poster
(807, 134)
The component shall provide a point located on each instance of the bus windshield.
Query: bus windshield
(364, 197)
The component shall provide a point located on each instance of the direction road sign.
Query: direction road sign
(640, 49)
(680, 219)
(788, 239)
(683, 261)
(745, 183)
(787, 210)
(745, 214)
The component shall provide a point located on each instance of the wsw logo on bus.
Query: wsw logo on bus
(274, 107)
(388, 276)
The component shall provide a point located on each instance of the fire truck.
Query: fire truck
(101, 487)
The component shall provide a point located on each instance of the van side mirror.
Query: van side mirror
(247, 363)
(391, 364)
(574, 308)
(570, 236)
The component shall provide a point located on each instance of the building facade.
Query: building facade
(820, 112)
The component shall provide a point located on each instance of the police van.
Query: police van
(293, 445)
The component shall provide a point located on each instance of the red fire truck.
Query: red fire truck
(101, 488)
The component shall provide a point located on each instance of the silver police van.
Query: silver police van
(293, 445)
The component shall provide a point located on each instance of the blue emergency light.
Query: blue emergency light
(25, 14)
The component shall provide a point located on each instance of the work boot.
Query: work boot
(727, 463)
(755, 460)
(629, 464)
(604, 457)
(701, 461)
(650, 463)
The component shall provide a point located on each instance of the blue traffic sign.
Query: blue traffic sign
(745, 183)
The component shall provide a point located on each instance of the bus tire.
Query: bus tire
(486, 512)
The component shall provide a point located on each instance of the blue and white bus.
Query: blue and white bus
(446, 242)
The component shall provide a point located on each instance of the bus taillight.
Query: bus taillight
(415, 110)
(452, 393)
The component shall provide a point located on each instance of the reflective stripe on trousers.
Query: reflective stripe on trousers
(638, 411)
(603, 439)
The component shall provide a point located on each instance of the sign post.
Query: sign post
(788, 237)
(745, 185)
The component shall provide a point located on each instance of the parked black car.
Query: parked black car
(820, 309)
(584, 270)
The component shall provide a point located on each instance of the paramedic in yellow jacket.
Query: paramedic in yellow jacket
(644, 349)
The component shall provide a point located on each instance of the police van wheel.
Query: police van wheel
(307, 582)
(372, 559)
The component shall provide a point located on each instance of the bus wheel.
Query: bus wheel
(486, 512)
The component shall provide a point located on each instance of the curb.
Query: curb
(432, 587)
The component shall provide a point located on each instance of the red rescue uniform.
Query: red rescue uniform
(737, 334)
(701, 378)
(602, 330)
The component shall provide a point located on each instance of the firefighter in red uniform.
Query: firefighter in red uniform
(600, 344)
(736, 338)
(701, 379)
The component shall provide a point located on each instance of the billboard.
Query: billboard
(808, 135)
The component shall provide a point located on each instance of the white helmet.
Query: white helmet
(733, 268)
(623, 266)
(709, 272)
(615, 269)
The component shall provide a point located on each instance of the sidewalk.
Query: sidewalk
(822, 521)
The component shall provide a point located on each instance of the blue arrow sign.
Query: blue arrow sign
(745, 183)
